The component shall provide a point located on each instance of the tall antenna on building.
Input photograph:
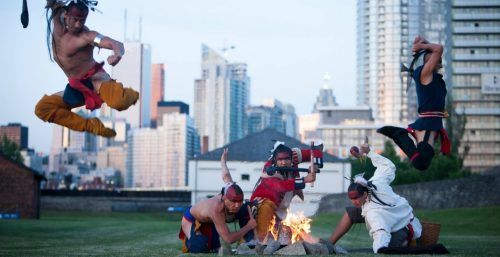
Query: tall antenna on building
(125, 25)
(326, 80)
(140, 28)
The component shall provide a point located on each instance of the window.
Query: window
(245, 177)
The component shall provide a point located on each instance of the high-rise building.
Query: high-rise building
(67, 143)
(221, 96)
(121, 128)
(239, 99)
(430, 19)
(476, 79)
(342, 127)
(157, 90)
(158, 158)
(16, 133)
(113, 157)
(325, 97)
(170, 107)
(382, 45)
(134, 70)
(289, 119)
(308, 127)
(262, 117)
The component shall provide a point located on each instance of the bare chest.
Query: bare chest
(72, 53)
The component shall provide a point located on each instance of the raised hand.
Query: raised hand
(223, 157)
(365, 148)
(251, 223)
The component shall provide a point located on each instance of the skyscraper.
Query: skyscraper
(220, 99)
(432, 20)
(382, 45)
(134, 70)
(16, 133)
(157, 90)
(158, 158)
(476, 79)
(325, 97)
(170, 107)
(289, 119)
(239, 99)
(262, 117)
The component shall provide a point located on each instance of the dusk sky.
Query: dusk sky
(287, 44)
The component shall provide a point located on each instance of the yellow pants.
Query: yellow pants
(53, 109)
(265, 215)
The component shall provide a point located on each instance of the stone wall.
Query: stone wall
(474, 191)
(114, 202)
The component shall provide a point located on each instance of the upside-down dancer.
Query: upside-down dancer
(72, 45)
(431, 94)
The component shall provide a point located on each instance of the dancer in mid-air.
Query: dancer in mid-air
(72, 45)
(431, 94)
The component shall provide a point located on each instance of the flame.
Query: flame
(273, 229)
(298, 224)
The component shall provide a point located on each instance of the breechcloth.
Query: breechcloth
(81, 90)
(431, 121)
(204, 237)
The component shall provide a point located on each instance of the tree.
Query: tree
(11, 149)
(442, 167)
(455, 126)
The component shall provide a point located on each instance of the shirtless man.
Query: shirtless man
(204, 222)
(72, 45)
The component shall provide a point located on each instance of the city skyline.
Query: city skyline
(303, 39)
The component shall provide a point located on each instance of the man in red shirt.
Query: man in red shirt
(272, 188)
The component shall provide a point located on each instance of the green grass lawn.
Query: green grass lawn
(466, 232)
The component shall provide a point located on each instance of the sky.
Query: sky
(288, 46)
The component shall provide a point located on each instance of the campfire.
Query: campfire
(299, 227)
(293, 235)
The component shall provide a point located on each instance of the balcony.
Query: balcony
(478, 30)
(473, 70)
(476, 57)
(476, 43)
(475, 16)
(471, 3)
(484, 111)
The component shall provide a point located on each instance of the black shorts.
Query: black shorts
(74, 97)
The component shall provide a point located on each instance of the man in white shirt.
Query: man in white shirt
(389, 217)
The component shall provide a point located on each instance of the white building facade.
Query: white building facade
(157, 158)
(134, 70)
(246, 160)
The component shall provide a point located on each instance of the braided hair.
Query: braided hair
(54, 8)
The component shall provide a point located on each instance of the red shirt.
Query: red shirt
(273, 188)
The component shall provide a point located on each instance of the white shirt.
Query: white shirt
(381, 219)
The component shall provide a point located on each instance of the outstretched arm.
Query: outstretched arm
(226, 176)
(386, 170)
(342, 227)
(436, 51)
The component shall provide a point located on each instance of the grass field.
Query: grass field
(466, 232)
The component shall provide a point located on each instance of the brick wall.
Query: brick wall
(19, 189)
